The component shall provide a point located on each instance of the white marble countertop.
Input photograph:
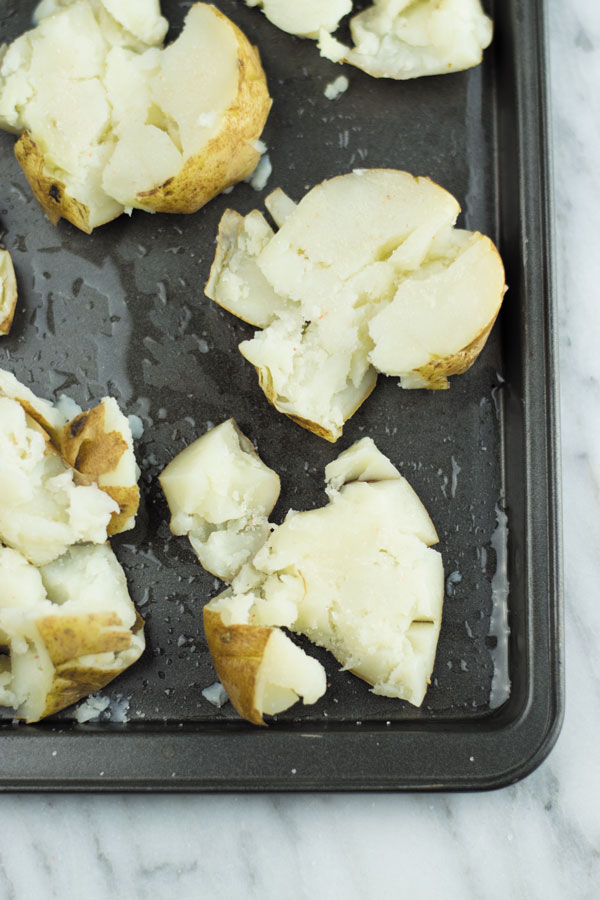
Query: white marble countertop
(539, 838)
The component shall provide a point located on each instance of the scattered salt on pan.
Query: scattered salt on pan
(261, 174)
(215, 694)
(136, 425)
(91, 708)
(335, 88)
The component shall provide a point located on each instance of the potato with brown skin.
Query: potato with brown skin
(70, 628)
(185, 128)
(366, 274)
(261, 669)
(98, 444)
(8, 292)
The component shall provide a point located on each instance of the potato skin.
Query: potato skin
(73, 681)
(10, 289)
(437, 371)
(229, 156)
(266, 384)
(49, 192)
(92, 451)
(237, 653)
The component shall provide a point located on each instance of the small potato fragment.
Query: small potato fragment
(220, 494)
(8, 292)
(261, 669)
(99, 445)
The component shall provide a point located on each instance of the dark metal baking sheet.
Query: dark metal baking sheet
(123, 312)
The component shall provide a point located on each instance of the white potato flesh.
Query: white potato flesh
(365, 264)
(357, 577)
(286, 674)
(305, 19)
(8, 291)
(363, 461)
(42, 510)
(235, 282)
(51, 417)
(113, 113)
(44, 614)
(411, 38)
(220, 494)
(280, 206)
(365, 582)
(451, 302)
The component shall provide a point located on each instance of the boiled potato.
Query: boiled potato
(8, 292)
(366, 274)
(110, 120)
(99, 445)
(306, 19)
(358, 577)
(409, 38)
(69, 627)
(62, 482)
(43, 510)
(220, 494)
(392, 38)
(261, 669)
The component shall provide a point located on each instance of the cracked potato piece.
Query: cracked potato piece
(70, 627)
(111, 120)
(366, 274)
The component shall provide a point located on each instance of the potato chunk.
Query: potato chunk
(366, 274)
(261, 669)
(391, 38)
(8, 292)
(220, 494)
(357, 577)
(62, 482)
(363, 579)
(70, 628)
(43, 511)
(410, 38)
(111, 120)
(306, 19)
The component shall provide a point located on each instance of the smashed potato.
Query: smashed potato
(366, 274)
(110, 120)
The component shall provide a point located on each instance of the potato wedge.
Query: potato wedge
(366, 274)
(262, 670)
(70, 628)
(8, 292)
(122, 122)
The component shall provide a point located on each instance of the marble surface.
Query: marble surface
(539, 838)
